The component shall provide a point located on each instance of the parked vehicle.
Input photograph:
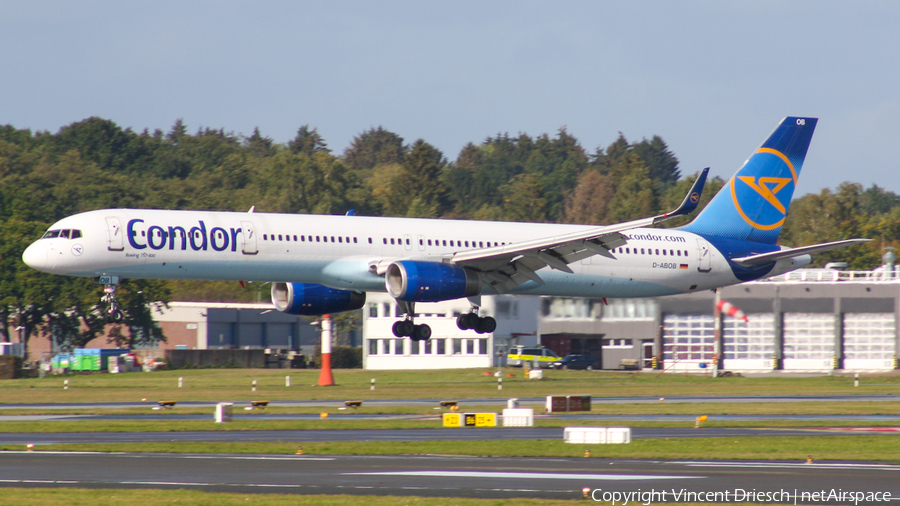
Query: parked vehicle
(586, 362)
(535, 357)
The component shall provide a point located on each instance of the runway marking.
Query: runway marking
(548, 476)
(802, 465)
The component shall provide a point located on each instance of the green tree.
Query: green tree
(308, 141)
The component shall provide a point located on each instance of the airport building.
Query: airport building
(449, 347)
(213, 325)
(805, 321)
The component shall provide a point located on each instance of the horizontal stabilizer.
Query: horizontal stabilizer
(765, 258)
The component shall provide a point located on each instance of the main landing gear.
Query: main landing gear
(480, 324)
(407, 327)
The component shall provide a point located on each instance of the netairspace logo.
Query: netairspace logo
(739, 495)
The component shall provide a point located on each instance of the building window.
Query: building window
(373, 310)
(470, 346)
(688, 337)
(751, 340)
(575, 308)
(398, 346)
(630, 309)
(617, 343)
(413, 347)
(441, 346)
(808, 336)
(869, 336)
(373, 346)
(482, 346)
(457, 346)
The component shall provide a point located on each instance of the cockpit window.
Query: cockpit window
(62, 234)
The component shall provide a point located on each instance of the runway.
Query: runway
(470, 434)
(551, 478)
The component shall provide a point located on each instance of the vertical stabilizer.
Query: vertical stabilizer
(753, 204)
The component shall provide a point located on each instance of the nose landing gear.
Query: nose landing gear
(113, 312)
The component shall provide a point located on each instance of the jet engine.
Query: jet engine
(314, 299)
(415, 281)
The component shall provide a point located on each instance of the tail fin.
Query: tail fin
(753, 204)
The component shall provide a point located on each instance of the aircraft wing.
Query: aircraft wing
(505, 267)
(765, 258)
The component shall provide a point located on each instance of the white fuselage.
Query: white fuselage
(344, 251)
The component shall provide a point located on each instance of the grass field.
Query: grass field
(843, 448)
(235, 384)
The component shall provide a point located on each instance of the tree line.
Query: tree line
(94, 164)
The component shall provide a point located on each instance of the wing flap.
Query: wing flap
(505, 267)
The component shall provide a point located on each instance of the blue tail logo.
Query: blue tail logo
(754, 203)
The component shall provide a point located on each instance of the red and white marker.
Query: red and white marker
(730, 310)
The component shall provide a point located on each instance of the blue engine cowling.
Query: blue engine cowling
(313, 299)
(414, 281)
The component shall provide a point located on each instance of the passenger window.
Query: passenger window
(657, 252)
(354, 240)
(467, 244)
(340, 240)
(429, 242)
(664, 252)
(642, 251)
(392, 241)
(445, 242)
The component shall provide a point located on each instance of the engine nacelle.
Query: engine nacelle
(414, 281)
(313, 299)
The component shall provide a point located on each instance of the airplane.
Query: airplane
(325, 264)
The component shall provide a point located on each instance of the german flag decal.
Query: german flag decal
(682, 266)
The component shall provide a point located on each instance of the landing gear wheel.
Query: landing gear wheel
(404, 328)
(485, 325)
(114, 316)
(421, 333)
(467, 321)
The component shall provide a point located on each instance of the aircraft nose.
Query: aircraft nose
(35, 256)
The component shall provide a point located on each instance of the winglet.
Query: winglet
(692, 199)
